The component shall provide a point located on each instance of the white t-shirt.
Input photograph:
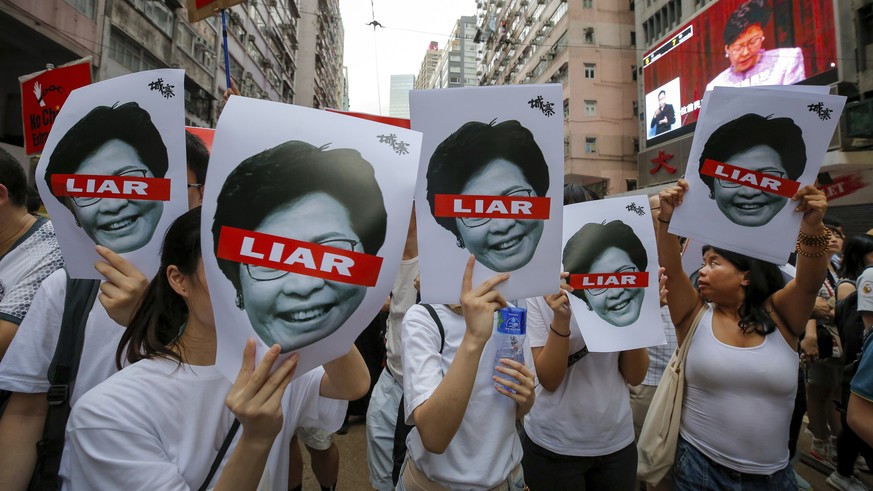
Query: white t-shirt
(403, 297)
(25, 366)
(486, 446)
(865, 291)
(33, 257)
(158, 425)
(589, 414)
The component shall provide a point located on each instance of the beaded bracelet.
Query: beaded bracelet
(821, 239)
(798, 250)
(559, 334)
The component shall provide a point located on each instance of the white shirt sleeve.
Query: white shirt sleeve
(539, 317)
(422, 361)
(313, 410)
(25, 366)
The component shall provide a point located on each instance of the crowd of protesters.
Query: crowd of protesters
(150, 411)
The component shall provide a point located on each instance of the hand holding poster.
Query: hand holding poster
(304, 220)
(42, 96)
(610, 252)
(490, 185)
(105, 175)
(753, 149)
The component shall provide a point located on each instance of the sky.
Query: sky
(396, 49)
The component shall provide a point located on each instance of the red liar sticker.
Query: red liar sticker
(609, 280)
(749, 178)
(123, 187)
(472, 206)
(295, 256)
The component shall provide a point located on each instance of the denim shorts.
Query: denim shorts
(693, 471)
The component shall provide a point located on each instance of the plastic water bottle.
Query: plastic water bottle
(511, 329)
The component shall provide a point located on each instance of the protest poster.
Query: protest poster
(490, 184)
(305, 216)
(112, 172)
(202, 9)
(609, 249)
(752, 150)
(43, 93)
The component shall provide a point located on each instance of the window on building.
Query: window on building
(590, 108)
(587, 4)
(566, 146)
(566, 108)
(590, 144)
(633, 72)
(160, 15)
(589, 70)
(130, 54)
(633, 38)
(86, 7)
(631, 184)
(588, 35)
(636, 108)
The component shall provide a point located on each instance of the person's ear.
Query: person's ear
(727, 51)
(744, 281)
(178, 281)
(4, 195)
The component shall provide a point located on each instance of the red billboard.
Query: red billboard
(735, 43)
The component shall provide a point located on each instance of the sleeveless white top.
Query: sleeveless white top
(738, 401)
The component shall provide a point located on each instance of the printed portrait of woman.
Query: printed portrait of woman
(608, 248)
(750, 63)
(310, 194)
(772, 146)
(113, 141)
(485, 159)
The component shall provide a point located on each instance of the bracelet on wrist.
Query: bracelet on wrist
(822, 239)
(821, 252)
(559, 334)
(663, 221)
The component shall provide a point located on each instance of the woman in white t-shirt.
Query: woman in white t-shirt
(159, 422)
(464, 436)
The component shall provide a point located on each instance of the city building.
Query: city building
(685, 49)
(589, 47)
(428, 66)
(456, 66)
(289, 50)
(400, 86)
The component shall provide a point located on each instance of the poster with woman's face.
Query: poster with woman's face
(752, 150)
(305, 214)
(610, 252)
(490, 185)
(113, 169)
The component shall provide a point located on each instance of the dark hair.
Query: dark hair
(282, 174)
(577, 193)
(128, 122)
(197, 155)
(155, 325)
(472, 147)
(854, 250)
(831, 222)
(662, 92)
(747, 14)
(586, 245)
(752, 130)
(12, 176)
(765, 279)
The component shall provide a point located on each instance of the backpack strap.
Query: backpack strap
(78, 300)
(439, 323)
(220, 456)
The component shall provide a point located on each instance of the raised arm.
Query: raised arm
(795, 302)
(550, 359)
(682, 299)
(439, 417)
(346, 378)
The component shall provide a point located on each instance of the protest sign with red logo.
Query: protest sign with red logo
(491, 185)
(305, 218)
(42, 96)
(610, 253)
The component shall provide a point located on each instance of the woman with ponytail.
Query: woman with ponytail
(159, 423)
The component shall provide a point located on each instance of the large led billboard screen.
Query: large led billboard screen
(735, 43)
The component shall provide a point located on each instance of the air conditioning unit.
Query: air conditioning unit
(528, 21)
(272, 3)
(247, 77)
(548, 23)
(553, 50)
(530, 74)
(544, 58)
(267, 64)
(251, 38)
